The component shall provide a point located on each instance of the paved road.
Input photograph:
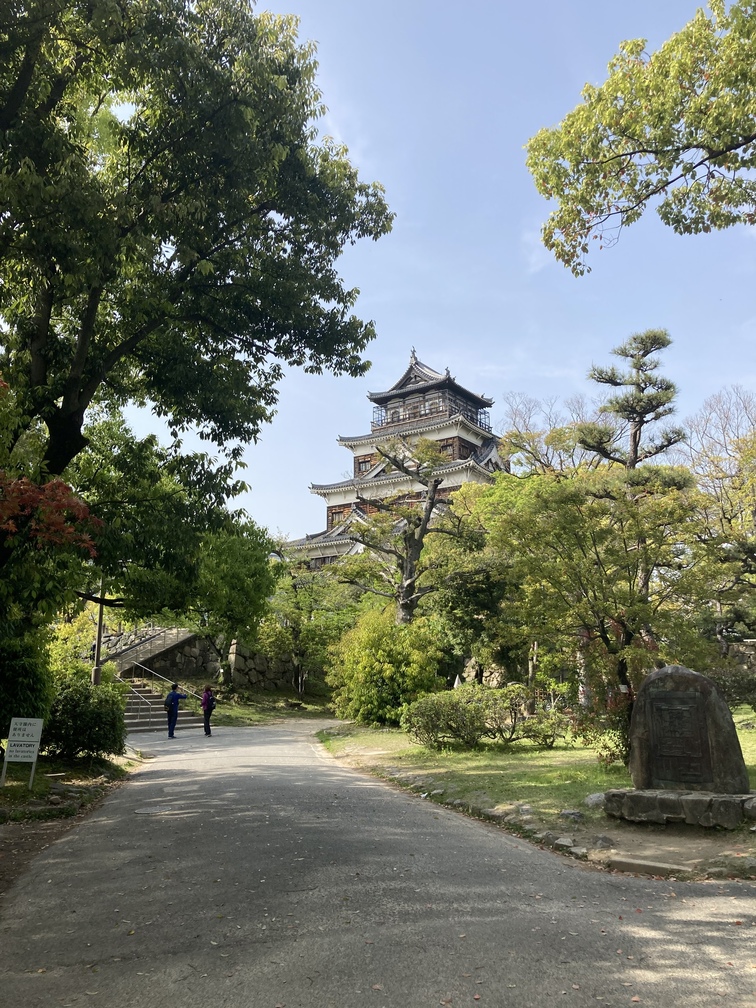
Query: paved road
(273, 876)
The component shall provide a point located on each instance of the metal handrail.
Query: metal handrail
(156, 675)
(162, 640)
(142, 699)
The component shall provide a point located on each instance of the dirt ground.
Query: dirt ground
(20, 842)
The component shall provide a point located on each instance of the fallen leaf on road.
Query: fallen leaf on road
(738, 922)
(635, 998)
(476, 997)
(576, 986)
(377, 987)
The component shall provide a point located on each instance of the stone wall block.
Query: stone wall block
(696, 807)
(613, 802)
(749, 808)
(670, 806)
(725, 811)
(642, 806)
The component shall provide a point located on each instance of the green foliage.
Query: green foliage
(442, 719)
(603, 725)
(648, 399)
(307, 614)
(26, 686)
(674, 127)
(85, 720)
(169, 235)
(234, 581)
(469, 713)
(379, 666)
(736, 683)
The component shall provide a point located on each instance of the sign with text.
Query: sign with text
(23, 744)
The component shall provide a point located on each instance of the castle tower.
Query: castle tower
(423, 403)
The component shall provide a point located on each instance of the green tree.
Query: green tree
(170, 223)
(26, 685)
(676, 127)
(609, 563)
(648, 399)
(379, 666)
(394, 565)
(308, 613)
(721, 452)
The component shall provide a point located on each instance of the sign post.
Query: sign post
(23, 745)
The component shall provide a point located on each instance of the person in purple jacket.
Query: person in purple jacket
(208, 706)
(172, 708)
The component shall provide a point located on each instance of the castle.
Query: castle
(423, 403)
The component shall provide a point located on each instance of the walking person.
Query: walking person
(172, 708)
(208, 706)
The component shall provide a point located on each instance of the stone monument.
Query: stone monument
(685, 757)
(682, 736)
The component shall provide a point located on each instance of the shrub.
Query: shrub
(378, 667)
(471, 712)
(441, 719)
(604, 726)
(737, 683)
(85, 720)
(26, 686)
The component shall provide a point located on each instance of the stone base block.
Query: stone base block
(697, 808)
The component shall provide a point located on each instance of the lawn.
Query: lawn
(61, 787)
(240, 708)
(549, 780)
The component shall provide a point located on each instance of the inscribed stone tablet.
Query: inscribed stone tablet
(682, 736)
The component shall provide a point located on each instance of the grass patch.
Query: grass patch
(549, 780)
(241, 708)
(61, 787)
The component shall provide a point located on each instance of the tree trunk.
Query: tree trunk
(530, 704)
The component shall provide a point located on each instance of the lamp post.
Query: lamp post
(97, 670)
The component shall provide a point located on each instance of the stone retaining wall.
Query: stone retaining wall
(251, 669)
(193, 657)
(697, 808)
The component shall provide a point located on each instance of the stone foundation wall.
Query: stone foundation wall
(696, 808)
(195, 657)
(251, 669)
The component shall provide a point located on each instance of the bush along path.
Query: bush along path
(553, 798)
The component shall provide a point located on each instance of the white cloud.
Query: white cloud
(536, 256)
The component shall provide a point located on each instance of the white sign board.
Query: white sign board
(23, 744)
(25, 729)
(21, 752)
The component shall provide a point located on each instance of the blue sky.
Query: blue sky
(435, 101)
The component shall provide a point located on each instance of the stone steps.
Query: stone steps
(145, 711)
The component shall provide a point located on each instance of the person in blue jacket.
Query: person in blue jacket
(172, 708)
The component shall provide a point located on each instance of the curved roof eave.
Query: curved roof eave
(417, 429)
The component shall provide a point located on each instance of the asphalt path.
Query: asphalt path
(250, 870)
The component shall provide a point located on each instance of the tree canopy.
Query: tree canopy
(675, 128)
(169, 235)
(171, 219)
